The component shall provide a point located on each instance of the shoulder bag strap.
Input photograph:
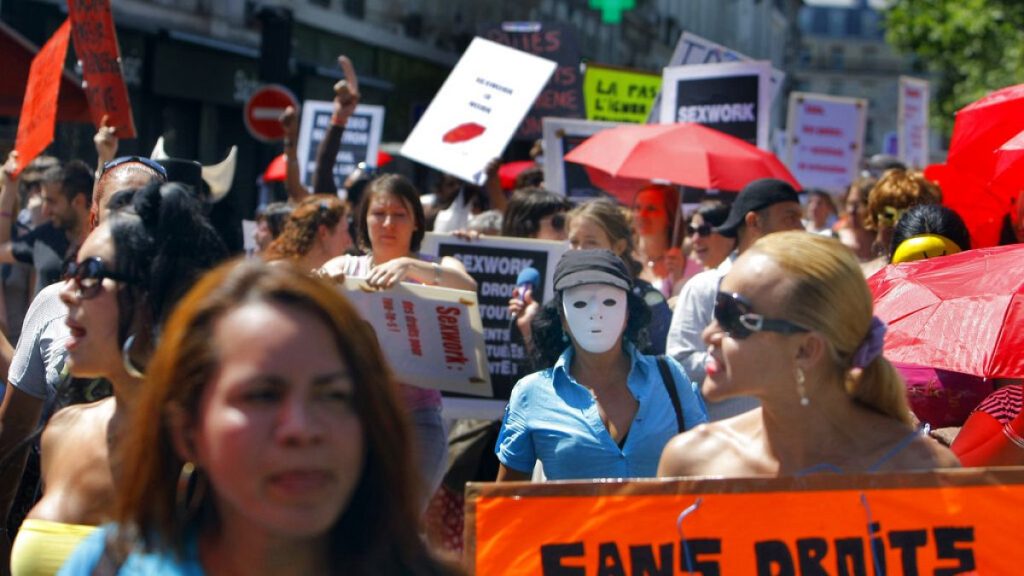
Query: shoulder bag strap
(673, 394)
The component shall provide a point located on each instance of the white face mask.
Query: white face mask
(596, 315)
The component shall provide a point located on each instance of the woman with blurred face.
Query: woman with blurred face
(655, 209)
(315, 231)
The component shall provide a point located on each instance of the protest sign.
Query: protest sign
(619, 94)
(692, 49)
(39, 108)
(940, 522)
(912, 139)
(92, 27)
(554, 41)
(561, 136)
(431, 336)
(732, 97)
(478, 108)
(359, 142)
(825, 139)
(495, 263)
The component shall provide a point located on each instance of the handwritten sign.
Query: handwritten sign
(732, 97)
(39, 108)
(478, 108)
(693, 49)
(359, 142)
(92, 27)
(561, 136)
(912, 138)
(619, 94)
(432, 337)
(554, 41)
(825, 139)
(495, 263)
(942, 522)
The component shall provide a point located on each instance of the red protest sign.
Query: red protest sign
(92, 26)
(39, 108)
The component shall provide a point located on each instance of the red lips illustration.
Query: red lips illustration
(463, 132)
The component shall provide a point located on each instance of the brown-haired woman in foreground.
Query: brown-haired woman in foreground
(269, 439)
(793, 326)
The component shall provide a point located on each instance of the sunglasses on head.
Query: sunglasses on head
(88, 276)
(147, 162)
(704, 230)
(734, 314)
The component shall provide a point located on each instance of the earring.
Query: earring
(565, 338)
(126, 359)
(190, 492)
(800, 389)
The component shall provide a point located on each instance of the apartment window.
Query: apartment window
(354, 8)
(835, 57)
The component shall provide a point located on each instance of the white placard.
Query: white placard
(432, 337)
(731, 97)
(912, 138)
(693, 49)
(561, 135)
(475, 113)
(495, 263)
(825, 139)
(359, 142)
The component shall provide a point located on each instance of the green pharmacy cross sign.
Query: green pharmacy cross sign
(611, 10)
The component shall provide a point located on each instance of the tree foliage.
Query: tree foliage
(972, 46)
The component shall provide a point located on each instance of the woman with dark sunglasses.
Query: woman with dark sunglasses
(793, 326)
(129, 273)
(707, 246)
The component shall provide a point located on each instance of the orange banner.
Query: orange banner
(97, 50)
(942, 523)
(39, 108)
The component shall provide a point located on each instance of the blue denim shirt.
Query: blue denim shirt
(553, 418)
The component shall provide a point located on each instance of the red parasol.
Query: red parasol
(969, 196)
(963, 312)
(509, 171)
(982, 127)
(685, 153)
(1009, 170)
(277, 170)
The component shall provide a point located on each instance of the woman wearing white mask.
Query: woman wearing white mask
(602, 409)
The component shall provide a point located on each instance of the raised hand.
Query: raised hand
(346, 93)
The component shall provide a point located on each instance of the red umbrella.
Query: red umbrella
(509, 171)
(963, 312)
(983, 126)
(969, 196)
(685, 153)
(277, 170)
(1009, 171)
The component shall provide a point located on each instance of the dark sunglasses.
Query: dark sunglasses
(704, 230)
(733, 313)
(88, 276)
(149, 163)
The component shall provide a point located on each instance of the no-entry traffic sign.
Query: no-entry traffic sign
(263, 109)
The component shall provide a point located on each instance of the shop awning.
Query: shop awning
(16, 55)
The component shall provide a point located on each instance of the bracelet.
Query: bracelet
(335, 121)
(437, 279)
(1012, 436)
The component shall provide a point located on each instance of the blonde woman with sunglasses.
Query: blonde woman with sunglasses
(793, 327)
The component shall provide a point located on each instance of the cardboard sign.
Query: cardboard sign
(912, 139)
(619, 94)
(693, 49)
(561, 136)
(476, 111)
(431, 336)
(731, 97)
(554, 41)
(39, 108)
(97, 50)
(825, 139)
(941, 522)
(359, 142)
(495, 263)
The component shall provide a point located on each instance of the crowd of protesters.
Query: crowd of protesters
(170, 410)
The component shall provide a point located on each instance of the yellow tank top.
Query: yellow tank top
(42, 546)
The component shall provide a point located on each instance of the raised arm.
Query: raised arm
(8, 205)
(293, 183)
(346, 98)
(106, 142)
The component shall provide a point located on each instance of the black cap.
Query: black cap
(755, 196)
(579, 267)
